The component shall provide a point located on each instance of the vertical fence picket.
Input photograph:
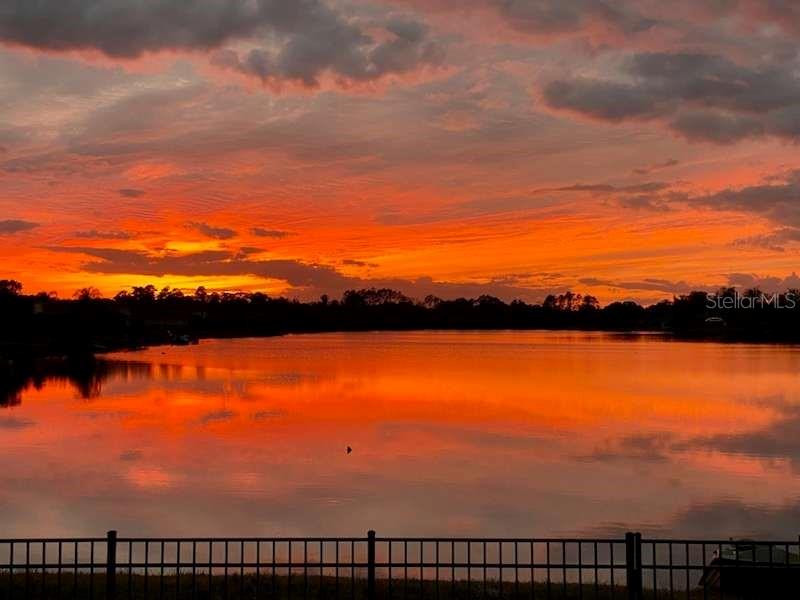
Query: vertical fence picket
(573, 568)
(370, 565)
(111, 565)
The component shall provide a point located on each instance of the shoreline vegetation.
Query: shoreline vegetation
(236, 585)
(41, 325)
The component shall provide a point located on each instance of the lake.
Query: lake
(452, 433)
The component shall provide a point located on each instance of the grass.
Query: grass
(251, 587)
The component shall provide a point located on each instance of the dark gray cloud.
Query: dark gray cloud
(302, 38)
(11, 226)
(319, 40)
(605, 100)
(549, 16)
(720, 128)
(605, 188)
(654, 196)
(358, 263)
(777, 199)
(776, 240)
(701, 96)
(671, 162)
(121, 28)
(268, 233)
(217, 233)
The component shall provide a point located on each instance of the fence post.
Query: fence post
(633, 565)
(370, 565)
(111, 565)
(639, 577)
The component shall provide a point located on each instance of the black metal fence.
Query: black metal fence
(372, 568)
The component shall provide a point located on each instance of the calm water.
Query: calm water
(509, 433)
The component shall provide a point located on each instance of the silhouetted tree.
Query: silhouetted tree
(145, 293)
(10, 287)
(431, 301)
(87, 293)
(589, 303)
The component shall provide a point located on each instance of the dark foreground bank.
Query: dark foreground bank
(252, 587)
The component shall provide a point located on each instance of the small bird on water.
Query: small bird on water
(349, 450)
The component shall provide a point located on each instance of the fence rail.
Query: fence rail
(373, 568)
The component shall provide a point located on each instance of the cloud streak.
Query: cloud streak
(657, 285)
(94, 234)
(12, 226)
(268, 233)
(307, 280)
(777, 200)
(216, 233)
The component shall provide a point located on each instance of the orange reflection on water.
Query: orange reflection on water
(494, 433)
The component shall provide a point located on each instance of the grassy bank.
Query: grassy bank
(251, 586)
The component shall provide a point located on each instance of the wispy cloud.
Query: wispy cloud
(217, 416)
(11, 226)
(131, 193)
(268, 233)
(94, 234)
(217, 233)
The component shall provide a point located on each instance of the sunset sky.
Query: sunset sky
(632, 150)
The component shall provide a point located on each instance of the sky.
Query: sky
(630, 150)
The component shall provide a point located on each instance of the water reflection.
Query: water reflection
(86, 375)
(467, 433)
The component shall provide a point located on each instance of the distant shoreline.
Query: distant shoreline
(40, 325)
(23, 353)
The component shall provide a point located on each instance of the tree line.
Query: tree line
(142, 315)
